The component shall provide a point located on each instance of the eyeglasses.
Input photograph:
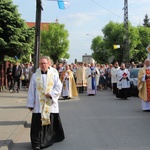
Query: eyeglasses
(43, 63)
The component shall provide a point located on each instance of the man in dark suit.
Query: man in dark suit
(9, 76)
(16, 73)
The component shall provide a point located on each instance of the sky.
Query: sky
(84, 19)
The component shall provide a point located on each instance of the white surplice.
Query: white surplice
(123, 83)
(114, 72)
(89, 80)
(33, 97)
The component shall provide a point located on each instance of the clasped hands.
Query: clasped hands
(47, 95)
(93, 74)
(124, 77)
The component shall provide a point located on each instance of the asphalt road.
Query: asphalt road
(101, 122)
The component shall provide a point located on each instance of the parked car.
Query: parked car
(134, 81)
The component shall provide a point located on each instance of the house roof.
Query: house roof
(44, 25)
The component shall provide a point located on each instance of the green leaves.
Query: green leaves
(15, 37)
(114, 34)
(54, 42)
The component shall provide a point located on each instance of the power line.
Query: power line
(134, 3)
(105, 8)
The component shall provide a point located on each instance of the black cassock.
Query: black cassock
(44, 136)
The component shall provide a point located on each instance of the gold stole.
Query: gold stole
(45, 103)
(148, 85)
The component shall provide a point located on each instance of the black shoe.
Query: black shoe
(65, 97)
(36, 148)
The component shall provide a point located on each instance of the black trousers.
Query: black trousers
(44, 136)
(10, 82)
(16, 80)
(115, 89)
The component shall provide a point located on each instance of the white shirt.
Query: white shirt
(114, 74)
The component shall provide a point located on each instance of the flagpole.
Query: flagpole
(37, 33)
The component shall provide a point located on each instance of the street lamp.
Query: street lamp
(90, 35)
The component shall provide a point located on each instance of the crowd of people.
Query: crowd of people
(19, 76)
(76, 78)
(79, 77)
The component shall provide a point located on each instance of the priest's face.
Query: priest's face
(147, 63)
(44, 64)
(123, 66)
(92, 64)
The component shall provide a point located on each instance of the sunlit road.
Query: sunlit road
(101, 122)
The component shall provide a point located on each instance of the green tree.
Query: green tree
(54, 42)
(99, 53)
(114, 34)
(144, 37)
(16, 39)
(146, 21)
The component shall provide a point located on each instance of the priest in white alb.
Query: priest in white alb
(44, 91)
(123, 82)
(92, 75)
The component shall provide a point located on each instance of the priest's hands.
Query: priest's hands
(47, 95)
(124, 77)
(30, 108)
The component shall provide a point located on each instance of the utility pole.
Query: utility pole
(126, 40)
(37, 33)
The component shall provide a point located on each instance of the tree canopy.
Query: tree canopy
(16, 39)
(99, 50)
(114, 34)
(146, 21)
(54, 42)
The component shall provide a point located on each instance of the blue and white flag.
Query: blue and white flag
(63, 4)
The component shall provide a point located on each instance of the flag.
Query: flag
(63, 4)
(116, 46)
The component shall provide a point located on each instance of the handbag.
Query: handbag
(22, 77)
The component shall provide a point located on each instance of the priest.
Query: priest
(144, 85)
(69, 89)
(92, 75)
(114, 71)
(44, 91)
(81, 77)
(123, 82)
